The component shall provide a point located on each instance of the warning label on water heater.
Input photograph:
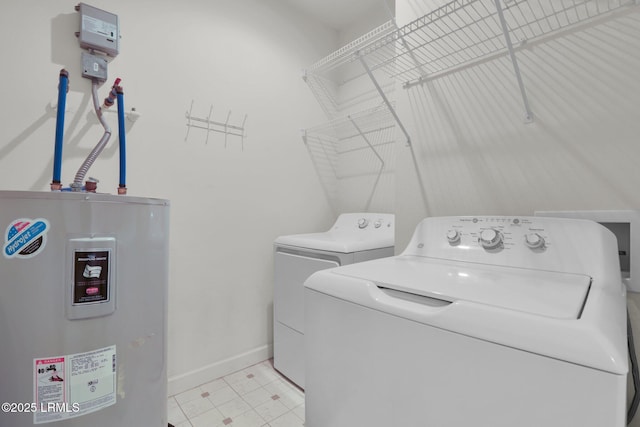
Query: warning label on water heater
(74, 385)
(91, 276)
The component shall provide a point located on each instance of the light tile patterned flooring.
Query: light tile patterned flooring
(254, 397)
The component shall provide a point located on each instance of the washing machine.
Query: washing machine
(355, 237)
(483, 321)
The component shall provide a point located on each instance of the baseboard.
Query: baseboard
(187, 381)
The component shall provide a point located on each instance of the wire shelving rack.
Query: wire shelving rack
(457, 35)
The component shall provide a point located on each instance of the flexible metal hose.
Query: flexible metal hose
(82, 172)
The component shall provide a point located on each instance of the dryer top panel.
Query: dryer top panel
(352, 232)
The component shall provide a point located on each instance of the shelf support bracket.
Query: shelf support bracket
(423, 73)
(375, 184)
(384, 97)
(505, 29)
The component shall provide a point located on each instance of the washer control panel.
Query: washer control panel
(364, 221)
(374, 222)
(351, 233)
(534, 243)
(495, 234)
(553, 244)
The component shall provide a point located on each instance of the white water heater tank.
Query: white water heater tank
(83, 306)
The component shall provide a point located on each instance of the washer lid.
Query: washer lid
(544, 293)
(564, 316)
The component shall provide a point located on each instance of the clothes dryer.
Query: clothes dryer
(354, 237)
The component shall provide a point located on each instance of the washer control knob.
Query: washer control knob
(490, 238)
(378, 223)
(363, 222)
(453, 236)
(534, 240)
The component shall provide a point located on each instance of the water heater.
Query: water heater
(83, 303)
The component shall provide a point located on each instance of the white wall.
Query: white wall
(380, 12)
(228, 205)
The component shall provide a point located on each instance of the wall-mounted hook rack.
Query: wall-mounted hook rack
(215, 126)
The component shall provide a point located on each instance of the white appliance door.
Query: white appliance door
(291, 270)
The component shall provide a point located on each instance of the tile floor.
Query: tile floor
(254, 397)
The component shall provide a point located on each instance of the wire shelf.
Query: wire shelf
(365, 136)
(365, 131)
(465, 31)
(459, 34)
(347, 53)
(330, 74)
(342, 129)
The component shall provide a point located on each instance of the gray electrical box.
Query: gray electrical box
(94, 67)
(99, 30)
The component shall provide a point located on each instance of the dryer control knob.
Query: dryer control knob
(490, 238)
(453, 236)
(534, 240)
(377, 224)
(363, 222)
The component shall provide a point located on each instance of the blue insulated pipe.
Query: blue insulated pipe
(122, 138)
(63, 87)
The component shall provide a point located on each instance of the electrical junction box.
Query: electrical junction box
(94, 67)
(99, 30)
